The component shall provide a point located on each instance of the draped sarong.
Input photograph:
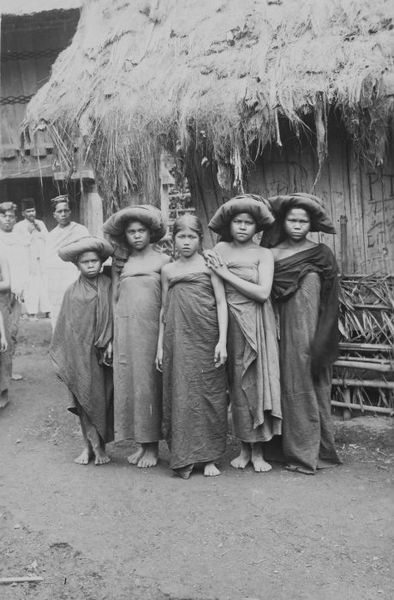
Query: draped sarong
(138, 390)
(60, 274)
(253, 363)
(82, 332)
(307, 439)
(194, 391)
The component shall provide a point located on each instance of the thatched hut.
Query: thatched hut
(263, 95)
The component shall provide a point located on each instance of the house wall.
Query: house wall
(363, 197)
(29, 47)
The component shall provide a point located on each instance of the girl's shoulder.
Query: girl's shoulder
(223, 248)
(168, 268)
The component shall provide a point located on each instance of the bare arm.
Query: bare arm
(259, 292)
(222, 312)
(5, 275)
(115, 283)
(164, 292)
(3, 339)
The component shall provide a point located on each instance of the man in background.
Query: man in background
(61, 274)
(17, 256)
(35, 233)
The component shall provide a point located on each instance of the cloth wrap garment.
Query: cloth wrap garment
(61, 274)
(138, 392)
(306, 292)
(82, 332)
(253, 362)
(194, 390)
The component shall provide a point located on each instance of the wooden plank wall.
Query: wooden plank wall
(28, 36)
(364, 196)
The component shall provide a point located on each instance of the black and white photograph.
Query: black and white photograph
(196, 299)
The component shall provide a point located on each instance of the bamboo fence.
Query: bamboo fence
(364, 372)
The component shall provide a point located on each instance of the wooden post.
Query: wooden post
(92, 209)
(344, 255)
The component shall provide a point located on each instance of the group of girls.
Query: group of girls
(194, 332)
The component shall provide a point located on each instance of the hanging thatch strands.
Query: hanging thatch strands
(217, 76)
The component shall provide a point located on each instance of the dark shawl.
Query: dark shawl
(82, 332)
(288, 275)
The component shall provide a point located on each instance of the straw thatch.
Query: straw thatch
(218, 75)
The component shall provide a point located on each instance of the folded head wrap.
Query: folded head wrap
(72, 251)
(280, 205)
(6, 206)
(147, 214)
(256, 206)
(59, 199)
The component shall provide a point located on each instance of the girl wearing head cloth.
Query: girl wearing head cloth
(305, 291)
(81, 347)
(192, 353)
(247, 272)
(137, 301)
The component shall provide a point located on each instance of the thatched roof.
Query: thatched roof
(219, 74)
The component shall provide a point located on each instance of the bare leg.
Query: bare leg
(244, 458)
(211, 470)
(4, 399)
(258, 462)
(95, 440)
(87, 453)
(134, 458)
(150, 455)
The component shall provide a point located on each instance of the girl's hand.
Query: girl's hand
(3, 344)
(220, 354)
(108, 354)
(159, 360)
(215, 262)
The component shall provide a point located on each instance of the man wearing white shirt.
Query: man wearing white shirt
(35, 233)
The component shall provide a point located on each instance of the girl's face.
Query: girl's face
(297, 224)
(242, 228)
(137, 235)
(89, 263)
(187, 242)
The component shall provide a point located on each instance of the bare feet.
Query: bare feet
(101, 458)
(149, 457)
(211, 470)
(85, 457)
(134, 458)
(258, 462)
(242, 461)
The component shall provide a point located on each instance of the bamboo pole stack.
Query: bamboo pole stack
(364, 372)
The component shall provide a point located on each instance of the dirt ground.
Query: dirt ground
(116, 532)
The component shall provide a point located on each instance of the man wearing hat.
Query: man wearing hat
(16, 248)
(35, 233)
